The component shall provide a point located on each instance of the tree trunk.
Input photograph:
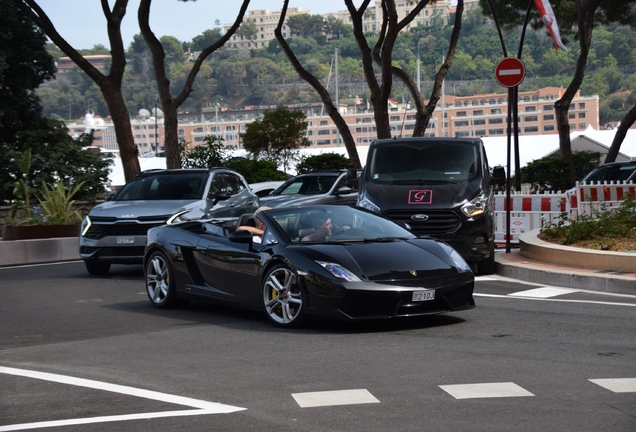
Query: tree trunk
(621, 132)
(128, 151)
(332, 110)
(585, 12)
(169, 103)
(109, 85)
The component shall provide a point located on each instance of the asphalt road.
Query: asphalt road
(79, 353)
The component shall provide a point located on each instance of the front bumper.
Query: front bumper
(369, 300)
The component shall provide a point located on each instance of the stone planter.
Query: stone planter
(29, 232)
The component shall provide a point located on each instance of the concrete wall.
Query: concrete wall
(20, 252)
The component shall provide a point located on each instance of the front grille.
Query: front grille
(439, 222)
(98, 231)
(123, 251)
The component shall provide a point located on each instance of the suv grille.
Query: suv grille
(98, 231)
(439, 222)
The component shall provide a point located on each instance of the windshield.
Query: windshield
(307, 185)
(335, 224)
(424, 162)
(619, 172)
(178, 186)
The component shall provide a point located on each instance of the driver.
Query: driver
(323, 227)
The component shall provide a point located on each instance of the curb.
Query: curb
(587, 269)
(23, 252)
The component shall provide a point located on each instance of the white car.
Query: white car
(263, 189)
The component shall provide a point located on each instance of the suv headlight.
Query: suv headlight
(366, 203)
(86, 224)
(178, 217)
(477, 206)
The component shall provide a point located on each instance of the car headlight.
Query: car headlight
(366, 203)
(476, 207)
(460, 262)
(178, 217)
(339, 271)
(86, 224)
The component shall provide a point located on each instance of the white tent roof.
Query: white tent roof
(531, 148)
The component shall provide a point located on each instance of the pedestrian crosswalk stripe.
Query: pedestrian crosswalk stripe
(544, 292)
(330, 398)
(617, 385)
(485, 390)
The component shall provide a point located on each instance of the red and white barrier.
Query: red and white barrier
(529, 212)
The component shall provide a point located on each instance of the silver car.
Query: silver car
(115, 232)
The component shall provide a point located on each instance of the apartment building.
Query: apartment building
(267, 21)
(482, 115)
(66, 65)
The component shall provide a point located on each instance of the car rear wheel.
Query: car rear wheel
(160, 284)
(97, 268)
(282, 297)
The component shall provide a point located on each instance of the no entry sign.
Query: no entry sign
(510, 72)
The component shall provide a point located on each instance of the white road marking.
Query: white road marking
(485, 278)
(331, 398)
(485, 390)
(544, 292)
(554, 300)
(617, 385)
(203, 407)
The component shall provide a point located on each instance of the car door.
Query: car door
(243, 200)
(230, 270)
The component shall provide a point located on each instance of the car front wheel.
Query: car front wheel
(160, 284)
(282, 297)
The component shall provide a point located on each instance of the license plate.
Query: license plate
(125, 240)
(424, 295)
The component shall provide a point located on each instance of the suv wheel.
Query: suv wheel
(97, 268)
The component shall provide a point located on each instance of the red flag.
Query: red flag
(547, 16)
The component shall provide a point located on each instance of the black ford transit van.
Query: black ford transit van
(441, 187)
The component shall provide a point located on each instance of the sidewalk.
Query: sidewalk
(516, 266)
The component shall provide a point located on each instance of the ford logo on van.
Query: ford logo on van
(419, 217)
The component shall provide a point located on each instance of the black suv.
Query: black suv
(115, 232)
(318, 187)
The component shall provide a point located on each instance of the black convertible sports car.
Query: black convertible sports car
(333, 261)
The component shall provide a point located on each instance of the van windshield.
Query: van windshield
(424, 162)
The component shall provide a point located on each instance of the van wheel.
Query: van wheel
(487, 266)
(97, 268)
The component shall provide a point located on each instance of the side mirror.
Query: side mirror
(498, 176)
(110, 197)
(220, 196)
(352, 178)
(343, 190)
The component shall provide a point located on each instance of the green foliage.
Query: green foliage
(211, 153)
(603, 227)
(276, 135)
(321, 162)
(57, 204)
(551, 170)
(256, 170)
(22, 190)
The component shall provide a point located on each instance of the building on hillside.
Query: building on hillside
(66, 65)
(464, 116)
(267, 21)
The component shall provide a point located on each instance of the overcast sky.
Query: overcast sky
(82, 23)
